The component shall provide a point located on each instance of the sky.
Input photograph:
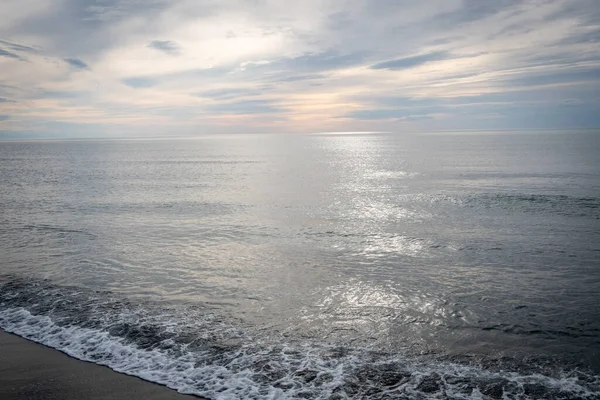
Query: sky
(118, 68)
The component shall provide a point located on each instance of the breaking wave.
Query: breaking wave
(197, 350)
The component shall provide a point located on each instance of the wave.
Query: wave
(573, 206)
(197, 350)
(566, 205)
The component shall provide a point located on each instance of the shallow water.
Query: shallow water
(312, 266)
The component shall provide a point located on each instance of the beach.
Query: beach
(32, 371)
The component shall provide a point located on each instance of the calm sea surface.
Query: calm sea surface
(379, 266)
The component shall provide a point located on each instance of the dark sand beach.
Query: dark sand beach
(31, 371)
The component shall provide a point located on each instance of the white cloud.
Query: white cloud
(311, 61)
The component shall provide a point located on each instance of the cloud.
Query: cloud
(227, 94)
(245, 107)
(298, 78)
(4, 53)
(61, 94)
(165, 46)
(410, 62)
(18, 47)
(267, 65)
(15, 49)
(474, 10)
(139, 82)
(4, 117)
(323, 61)
(555, 78)
(376, 114)
(74, 62)
(115, 10)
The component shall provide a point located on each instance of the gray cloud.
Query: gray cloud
(592, 36)
(245, 107)
(376, 114)
(192, 75)
(297, 78)
(542, 55)
(591, 75)
(410, 62)
(19, 47)
(473, 10)
(4, 53)
(396, 101)
(86, 19)
(4, 117)
(310, 66)
(74, 62)
(324, 61)
(572, 103)
(114, 10)
(228, 94)
(60, 94)
(139, 82)
(166, 46)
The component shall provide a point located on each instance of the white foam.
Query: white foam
(153, 365)
(245, 374)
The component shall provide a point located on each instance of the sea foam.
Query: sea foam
(256, 371)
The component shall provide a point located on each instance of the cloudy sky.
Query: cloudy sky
(179, 67)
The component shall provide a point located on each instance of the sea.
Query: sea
(455, 265)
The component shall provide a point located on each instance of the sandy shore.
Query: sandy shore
(31, 371)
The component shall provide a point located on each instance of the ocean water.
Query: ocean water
(330, 266)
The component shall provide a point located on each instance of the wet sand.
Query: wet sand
(32, 371)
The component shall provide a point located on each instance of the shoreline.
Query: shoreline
(29, 370)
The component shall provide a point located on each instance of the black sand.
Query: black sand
(31, 371)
